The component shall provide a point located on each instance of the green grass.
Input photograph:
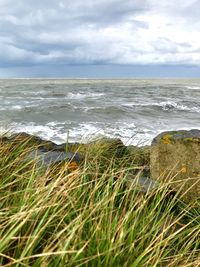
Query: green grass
(90, 216)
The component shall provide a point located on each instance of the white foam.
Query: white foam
(60, 132)
(55, 123)
(165, 105)
(10, 107)
(43, 131)
(16, 107)
(193, 87)
(126, 131)
(84, 132)
(134, 104)
(83, 95)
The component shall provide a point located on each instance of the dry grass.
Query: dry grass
(89, 216)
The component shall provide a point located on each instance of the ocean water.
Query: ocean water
(80, 110)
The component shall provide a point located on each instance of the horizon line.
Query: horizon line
(96, 78)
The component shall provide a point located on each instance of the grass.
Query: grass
(90, 216)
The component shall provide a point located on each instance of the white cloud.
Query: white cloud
(99, 31)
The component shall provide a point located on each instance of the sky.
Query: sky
(99, 38)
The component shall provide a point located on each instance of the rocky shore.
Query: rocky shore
(142, 198)
(173, 157)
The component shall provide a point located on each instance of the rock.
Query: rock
(45, 153)
(169, 226)
(140, 155)
(162, 224)
(175, 157)
(145, 184)
(32, 140)
(110, 147)
(46, 159)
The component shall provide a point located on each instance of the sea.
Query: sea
(81, 110)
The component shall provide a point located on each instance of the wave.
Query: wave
(165, 106)
(107, 110)
(84, 132)
(47, 132)
(193, 87)
(84, 95)
(170, 105)
(173, 106)
(57, 95)
(11, 107)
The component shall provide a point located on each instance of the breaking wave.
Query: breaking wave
(165, 106)
(131, 110)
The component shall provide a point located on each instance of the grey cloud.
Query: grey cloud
(166, 45)
(85, 11)
(98, 31)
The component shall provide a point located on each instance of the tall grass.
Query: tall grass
(89, 216)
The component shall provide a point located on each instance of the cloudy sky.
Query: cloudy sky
(99, 38)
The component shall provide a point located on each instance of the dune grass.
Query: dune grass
(90, 216)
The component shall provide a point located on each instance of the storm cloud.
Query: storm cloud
(139, 32)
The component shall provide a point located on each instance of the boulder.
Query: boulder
(175, 158)
(45, 152)
(47, 158)
(145, 184)
(110, 147)
(32, 140)
(140, 154)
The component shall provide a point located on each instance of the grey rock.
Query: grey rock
(179, 134)
(175, 159)
(44, 158)
(145, 184)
